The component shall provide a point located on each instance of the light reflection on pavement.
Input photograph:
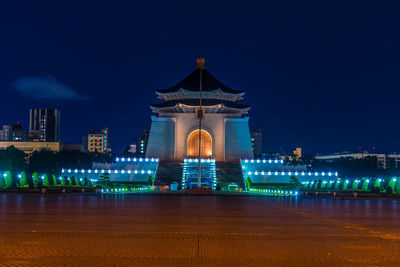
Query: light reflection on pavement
(165, 230)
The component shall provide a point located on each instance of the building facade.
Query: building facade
(97, 142)
(175, 132)
(29, 146)
(256, 143)
(13, 132)
(142, 142)
(44, 125)
(72, 147)
(132, 148)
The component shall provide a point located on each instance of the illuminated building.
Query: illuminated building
(44, 125)
(274, 171)
(256, 142)
(174, 133)
(30, 146)
(138, 170)
(13, 132)
(132, 148)
(295, 156)
(142, 143)
(97, 142)
(297, 153)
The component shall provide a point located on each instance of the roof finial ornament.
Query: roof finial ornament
(200, 62)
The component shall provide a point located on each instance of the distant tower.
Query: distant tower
(142, 143)
(256, 142)
(224, 133)
(44, 125)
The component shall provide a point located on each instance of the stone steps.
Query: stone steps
(230, 172)
(168, 172)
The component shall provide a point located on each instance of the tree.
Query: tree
(389, 190)
(294, 180)
(12, 159)
(350, 167)
(43, 161)
(151, 178)
(307, 159)
(248, 183)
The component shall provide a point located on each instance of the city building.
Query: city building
(97, 142)
(44, 125)
(175, 131)
(85, 143)
(143, 141)
(383, 160)
(72, 147)
(256, 142)
(297, 153)
(13, 132)
(132, 148)
(30, 146)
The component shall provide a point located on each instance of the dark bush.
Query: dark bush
(389, 190)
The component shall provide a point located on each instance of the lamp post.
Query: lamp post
(200, 65)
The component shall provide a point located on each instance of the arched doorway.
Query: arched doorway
(193, 144)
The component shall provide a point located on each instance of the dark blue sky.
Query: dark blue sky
(323, 76)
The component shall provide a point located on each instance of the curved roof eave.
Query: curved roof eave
(160, 92)
(194, 103)
(192, 83)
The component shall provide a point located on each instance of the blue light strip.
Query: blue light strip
(108, 171)
(263, 161)
(292, 173)
(137, 159)
(210, 162)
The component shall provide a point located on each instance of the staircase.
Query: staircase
(168, 172)
(191, 172)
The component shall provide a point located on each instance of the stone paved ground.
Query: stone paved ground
(166, 230)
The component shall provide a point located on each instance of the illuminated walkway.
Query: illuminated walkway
(153, 230)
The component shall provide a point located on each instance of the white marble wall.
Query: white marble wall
(168, 136)
(237, 139)
(161, 142)
(213, 123)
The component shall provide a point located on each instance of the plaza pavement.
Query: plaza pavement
(168, 230)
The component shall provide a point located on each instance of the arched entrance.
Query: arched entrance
(193, 144)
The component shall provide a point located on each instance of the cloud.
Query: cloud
(46, 87)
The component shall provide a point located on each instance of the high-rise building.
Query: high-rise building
(256, 142)
(142, 143)
(98, 141)
(13, 132)
(44, 125)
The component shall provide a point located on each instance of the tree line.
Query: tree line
(350, 167)
(47, 161)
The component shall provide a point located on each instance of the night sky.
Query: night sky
(322, 76)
